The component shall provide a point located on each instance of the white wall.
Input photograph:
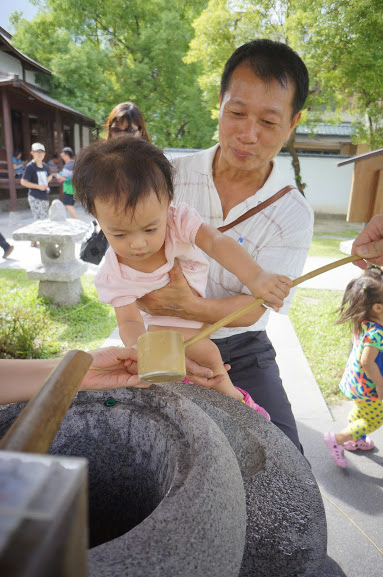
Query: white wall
(12, 65)
(31, 78)
(328, 186)
(9, 64)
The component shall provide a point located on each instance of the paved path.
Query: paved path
(353, 497)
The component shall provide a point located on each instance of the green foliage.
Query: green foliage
(103, 53)
(326, 345)
(31, 327)
(340, 42)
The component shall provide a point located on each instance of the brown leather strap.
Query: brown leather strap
(258, 208)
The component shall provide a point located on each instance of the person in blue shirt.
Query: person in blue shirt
(65, 176)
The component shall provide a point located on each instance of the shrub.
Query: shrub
(24, 333)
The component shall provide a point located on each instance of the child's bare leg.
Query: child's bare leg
(206, 354)
(343, 436)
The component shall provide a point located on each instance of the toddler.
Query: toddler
(362, 380)
(126, 183)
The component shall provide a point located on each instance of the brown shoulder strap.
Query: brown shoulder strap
(258, 208)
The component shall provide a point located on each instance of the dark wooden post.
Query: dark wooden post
(59, 132)
(26, 136)
(81, 141)
(8, 137)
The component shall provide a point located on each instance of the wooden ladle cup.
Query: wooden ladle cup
(161, 354)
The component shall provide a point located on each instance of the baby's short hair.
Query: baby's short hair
(124, 170)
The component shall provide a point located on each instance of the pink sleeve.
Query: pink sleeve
(185, 222)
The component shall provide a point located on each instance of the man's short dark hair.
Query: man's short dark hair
(271, 60)
(67, 150)
(122, 170)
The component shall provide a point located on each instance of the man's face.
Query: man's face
(255, 120)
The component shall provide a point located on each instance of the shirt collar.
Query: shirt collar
(203, 163)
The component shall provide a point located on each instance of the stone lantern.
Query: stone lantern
(60, 271)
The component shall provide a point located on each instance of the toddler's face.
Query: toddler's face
(134, 236)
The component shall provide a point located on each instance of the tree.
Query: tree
(340, 42)
(137, 50)
(343, 41)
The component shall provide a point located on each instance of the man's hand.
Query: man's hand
(201, 375)
(369, 244)
(171, 300)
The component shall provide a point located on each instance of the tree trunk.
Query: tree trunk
(290, 146)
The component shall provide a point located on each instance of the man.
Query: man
(263, 89)
(65, 177)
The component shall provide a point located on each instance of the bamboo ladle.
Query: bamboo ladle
(161, 354)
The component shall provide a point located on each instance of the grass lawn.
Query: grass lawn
(312, 314)
(326, 247)
(32, 327)
(325, 344)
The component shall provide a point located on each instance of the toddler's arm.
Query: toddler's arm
(130, 324)
(273, 288)
(371, 369)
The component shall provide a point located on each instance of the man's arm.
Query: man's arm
(177, 299)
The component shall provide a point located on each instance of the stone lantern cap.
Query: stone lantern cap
(55, 229)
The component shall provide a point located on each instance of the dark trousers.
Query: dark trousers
(3, 243)
(254, 369)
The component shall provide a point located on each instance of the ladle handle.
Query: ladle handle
(258, 302)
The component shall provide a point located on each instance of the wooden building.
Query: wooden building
(28, 114)
(366, 195)
(327, 139)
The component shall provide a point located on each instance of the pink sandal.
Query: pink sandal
(250, 403)
(337, 451)
(365, 444)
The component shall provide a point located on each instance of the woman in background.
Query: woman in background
(126, 118)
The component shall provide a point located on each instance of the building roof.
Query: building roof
(14, 81)
(344, 129)
(361, 157)
(29, 63)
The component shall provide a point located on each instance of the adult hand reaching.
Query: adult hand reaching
(112, 367)
(173, 300)
(369, 244)
(115, 367)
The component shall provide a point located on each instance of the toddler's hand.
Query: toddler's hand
(272, 288)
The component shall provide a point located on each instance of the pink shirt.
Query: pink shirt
(119, 285)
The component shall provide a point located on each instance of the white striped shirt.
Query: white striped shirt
(278, 237)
